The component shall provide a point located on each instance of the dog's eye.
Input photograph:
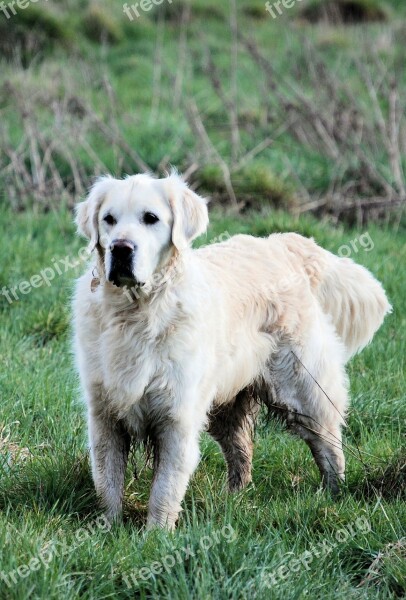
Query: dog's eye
(110, 220)
(150, 218)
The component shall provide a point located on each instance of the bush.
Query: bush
(170, 11)
(30, 31)
(345, 11)
(254, 186)
(255, 11)
(100, 26)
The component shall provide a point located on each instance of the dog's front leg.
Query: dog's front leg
(178, 457)
(109, 447)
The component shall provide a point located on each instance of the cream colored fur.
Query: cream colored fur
(270, 316)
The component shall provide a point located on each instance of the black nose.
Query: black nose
(122, 249)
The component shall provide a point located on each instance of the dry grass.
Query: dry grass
(54, 158)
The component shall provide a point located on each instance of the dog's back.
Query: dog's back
(280, 264)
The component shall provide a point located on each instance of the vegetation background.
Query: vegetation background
(293, 123)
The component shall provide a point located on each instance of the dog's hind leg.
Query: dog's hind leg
(326, 448)
(312, 407)
(232, 426)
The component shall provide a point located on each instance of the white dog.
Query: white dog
(170, 341)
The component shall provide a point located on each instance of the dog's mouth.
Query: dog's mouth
(121, 275)
(120, 281)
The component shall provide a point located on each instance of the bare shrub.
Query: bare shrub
(363, 136)
(54, 159)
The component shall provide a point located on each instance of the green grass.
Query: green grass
(58, 56)
(46, 493)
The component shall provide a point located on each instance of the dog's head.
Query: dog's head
(137, 223)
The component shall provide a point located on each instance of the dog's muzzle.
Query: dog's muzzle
(122, 262)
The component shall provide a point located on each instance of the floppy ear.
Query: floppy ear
(86, 213)
(190, 216)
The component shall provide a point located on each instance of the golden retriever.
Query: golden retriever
(170, 340)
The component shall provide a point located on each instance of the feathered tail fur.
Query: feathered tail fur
(348, 292)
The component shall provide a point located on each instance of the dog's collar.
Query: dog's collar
(95, 282)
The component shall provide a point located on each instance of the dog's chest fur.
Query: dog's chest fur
(142, 353)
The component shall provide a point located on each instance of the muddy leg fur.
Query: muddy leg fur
(292, 395)
(109, 448)
(232, 426)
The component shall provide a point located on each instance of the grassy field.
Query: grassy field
(281, 537)
(320, 122)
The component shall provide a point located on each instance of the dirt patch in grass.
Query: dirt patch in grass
(389, 481)
(345, 11)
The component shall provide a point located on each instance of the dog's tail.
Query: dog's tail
(348, 292)
(355, 300)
